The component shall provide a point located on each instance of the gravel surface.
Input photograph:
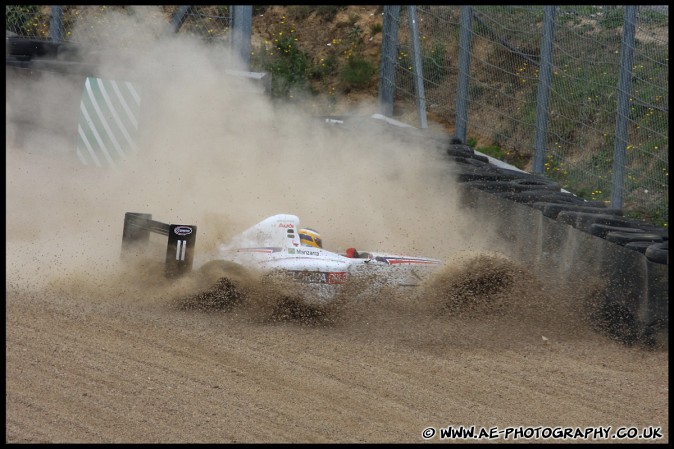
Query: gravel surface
(95, 362)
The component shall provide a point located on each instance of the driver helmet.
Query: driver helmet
(309, 237)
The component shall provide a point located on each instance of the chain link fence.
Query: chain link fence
(493, 93)
(97, 27)
(29, 21)
(502, 91)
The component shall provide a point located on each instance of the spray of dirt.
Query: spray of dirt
(217, 153)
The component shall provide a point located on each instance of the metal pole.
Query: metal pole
(543, 96)
(242, 26)
(417, 67)
(55, 23)
(465, 38)
(177, 19)
(389, 51)
(622, 115)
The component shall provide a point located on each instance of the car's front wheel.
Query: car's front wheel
(221, 286)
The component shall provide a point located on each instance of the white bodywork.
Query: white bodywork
(273, 245)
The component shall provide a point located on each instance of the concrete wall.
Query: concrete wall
(619, 284)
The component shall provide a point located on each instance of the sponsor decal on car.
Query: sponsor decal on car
(182, 230)
(303, 252)
(318, 277)
(338, 277)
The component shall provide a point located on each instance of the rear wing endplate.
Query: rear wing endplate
(179, 247)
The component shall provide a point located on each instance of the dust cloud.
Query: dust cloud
(215, 152)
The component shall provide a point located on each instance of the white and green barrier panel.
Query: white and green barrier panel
(108, 126)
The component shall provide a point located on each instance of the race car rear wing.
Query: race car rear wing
(179, 247)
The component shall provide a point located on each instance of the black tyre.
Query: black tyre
(513, 174)
(658, 253)
(536, 183)
(478, 174)
(31, 48)
(583, 220)
(639, 246)
(465, 162)
(514, 185)
(481, 158)
(460, 149)
(546, 196)
(469, 169)
(623, 238)
(551, 210)
(600, 230)
(662, 232)
(492, 186)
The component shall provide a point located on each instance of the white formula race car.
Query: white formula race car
(279, 246)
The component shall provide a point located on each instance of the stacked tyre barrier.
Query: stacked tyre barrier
(621, 261)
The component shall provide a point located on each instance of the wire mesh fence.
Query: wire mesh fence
(501, 82)
(29, 21)
(97, 26)
(583, 111)
(209, 22)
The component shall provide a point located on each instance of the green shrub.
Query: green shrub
(614, 18)
(328, 12)
(494, 151)
(287, 64)
(436, 65)
(300, 12)
(376, 28)
(357, 73)
(355, 34)
(323, 68)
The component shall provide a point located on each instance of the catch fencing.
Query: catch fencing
(579, 93)
(91, 24)
(99, 26)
